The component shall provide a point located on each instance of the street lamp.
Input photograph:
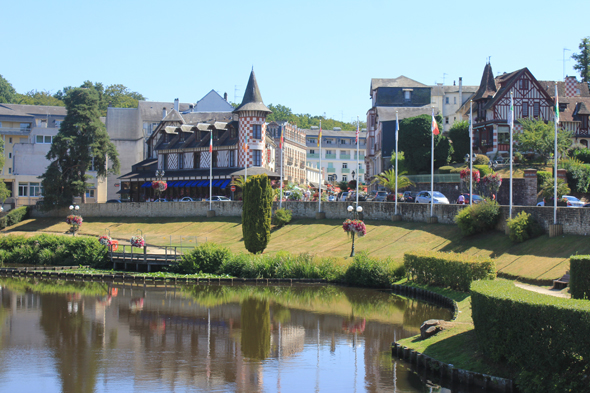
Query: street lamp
(74, 219)
(355, 213)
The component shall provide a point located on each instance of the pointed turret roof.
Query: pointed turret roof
(487, 86)
(252, 100)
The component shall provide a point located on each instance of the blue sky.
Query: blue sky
(315, 57)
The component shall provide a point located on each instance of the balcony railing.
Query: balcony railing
(345, 170)
(331, 156)
(345, 156)
(331, 170)
(316, 155)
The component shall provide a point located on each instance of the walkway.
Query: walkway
(544, 291)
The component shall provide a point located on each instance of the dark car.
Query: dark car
(476, 199)
(586, 205)
(113, 201)
(408, 197)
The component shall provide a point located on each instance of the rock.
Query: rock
(430, 328)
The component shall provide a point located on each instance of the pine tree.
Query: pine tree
(256, 213)
(81, 142)
(583, 60)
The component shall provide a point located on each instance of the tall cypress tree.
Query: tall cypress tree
(256, 213)
(81, 142)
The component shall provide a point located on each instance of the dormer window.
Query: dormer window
(407, 95)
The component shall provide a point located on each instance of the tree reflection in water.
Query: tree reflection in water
(255, 321)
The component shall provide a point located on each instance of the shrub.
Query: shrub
(448, 270)
(484, 170)
(256, 213)
(365, 271)
(14, 217)
(456, 170)
(445, 169)
(523, 227)
(578, 175)
(542, 338)
(478, 218)
(206, 258)
(282, 217)
(481, 159)
(580, 276)
(542, 177)
(582, 155)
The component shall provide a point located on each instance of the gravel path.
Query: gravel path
(544, 291)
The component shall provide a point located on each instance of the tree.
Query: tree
(539, 137)
(4, 191)
(256, 213)
(387, 180)
(415, 141)
(35, 97)
(81, 142)
(459, 136)
(7, 92)
(583, 59)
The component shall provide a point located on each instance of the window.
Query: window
(523, 84)
(343, 152)
(257, 157)
(447, 100)
(197, 161)
(329, 152)
(343, 141)
(584, 119)
(446, 120)
(10, 140)
(89, 193)
(312, 140)
(525, 109)
(9, 155)
(407, 95)
(328, 141)
(536, 109)
(0, 124)
(232, 158)
(455, 100)
(9, 170)
(180, 161)
(44, 139)
(58, 123)
(215, 159)
(312, 152)
(256, 131)
(344, 178)
(25, 126)
(344, 165)
(22, 189)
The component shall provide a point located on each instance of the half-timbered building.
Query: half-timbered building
(187, 146)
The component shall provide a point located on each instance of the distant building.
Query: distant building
(294, 151)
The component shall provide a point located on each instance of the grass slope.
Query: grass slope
(541, 258)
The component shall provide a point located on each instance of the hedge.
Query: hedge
(545, 339)
(445, 169)
(13, 217)
(580, 276)
(484, 170)
(451, 270)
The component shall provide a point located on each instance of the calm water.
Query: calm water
(61, 336)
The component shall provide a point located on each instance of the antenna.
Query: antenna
(236, 94)
(564, 60)
(444, 74)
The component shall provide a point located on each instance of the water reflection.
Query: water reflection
(59, 336)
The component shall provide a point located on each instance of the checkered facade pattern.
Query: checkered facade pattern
(571, 86)
(246, 124)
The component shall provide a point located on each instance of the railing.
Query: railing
(345, 156)
(438, 178)
(503, 146)
(331, 156)
(331, 170)
(316, 155)
(345, 170)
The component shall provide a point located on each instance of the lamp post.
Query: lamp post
(75, 226)
(159, 175)
(355, 213)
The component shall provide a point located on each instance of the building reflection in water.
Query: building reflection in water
(88, 337)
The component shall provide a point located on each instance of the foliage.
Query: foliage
(81, 141)
(578, 174)
(490, 184)
(35, 97)
(523, 227)
(387, 180)
(343, 185)
(282, 217)
(306, 121)
(401, 162)
(448, 270)
(581, 154)
(206, 258)
(583, 60)
(542, 176)
(484, 170)
(542, 338)
(415, 142)
(365, 271)
(256, 213)
(465, 175)
(547, 190)
(459, 136)
(5, 193)
(445, 169)
(580, 276)
(539, 138)
(481, 159)
(7, 92)
(14, 217)
(478, 218)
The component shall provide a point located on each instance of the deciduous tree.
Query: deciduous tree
(7, 92)
(539, 137)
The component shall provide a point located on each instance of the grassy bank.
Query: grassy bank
(540, 258)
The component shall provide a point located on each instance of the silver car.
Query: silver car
(424, 197)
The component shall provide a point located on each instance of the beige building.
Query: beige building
(294, 151)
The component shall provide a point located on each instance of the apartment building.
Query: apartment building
(293, 152)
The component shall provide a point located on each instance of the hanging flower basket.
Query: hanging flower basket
(105, 240)
(356, 226)
(75, 222)
(137, 241)
(159, 185)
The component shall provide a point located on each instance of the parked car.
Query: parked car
(218, 198)
(331, 198)
(161, 200)
(343, 196)
(476, 199)
(572, 201)
(586, 205)
(113, 201)
(424, 197)
(381, 196)
(187, 199)
(371, 196)
(408, 196)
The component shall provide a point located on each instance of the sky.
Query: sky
(315, 57)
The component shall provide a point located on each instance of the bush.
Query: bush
(206, 258)
(578, 175)
(256, 213)
(448, 270)
(481, 159)
(445, 169)
(478, 218)
(580, 276)
(14, 217)
(582, 155)
(456, 170)
(542, 177)
(484, 170)
(365, 271)
(524, 227)
(542, 338)
(282, 217)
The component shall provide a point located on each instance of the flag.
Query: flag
(511, 112)
(281, 144)
(556, 107)
(246, 143)
(470, 124)
(434, 127)
(320, 135)
(211, 143)
(396, 127)
(357, 132)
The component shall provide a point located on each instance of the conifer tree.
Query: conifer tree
(256, 213)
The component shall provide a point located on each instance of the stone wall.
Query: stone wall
(576, 221)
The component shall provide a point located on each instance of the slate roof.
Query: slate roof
(487, 86)
(387, 113)
(400, 81)
(152, 110)
(335, 134)
(252, 100)
(31, 110)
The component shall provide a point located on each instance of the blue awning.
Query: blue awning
(225, 183)
(199, 183)
(146, 184)
(180, 184)
(217, 182)
(170, 183)
(205, 183)
(191, 183)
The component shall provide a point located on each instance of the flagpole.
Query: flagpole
(357, 160)
(555, 159)
(396, 138)
(320, 183)
(246, 169)
(211, 171)
(471, 153)
(511, 124)
(281, 148)
(432, 167)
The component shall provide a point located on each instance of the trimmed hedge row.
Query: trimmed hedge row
(544, 338)
(451, 270)
(14, 217)
(580, 276)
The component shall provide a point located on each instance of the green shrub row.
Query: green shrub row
(363, 271)
(445, 169)
(14, 217)
(543, 338)
(52, 250)
(484, 170)
(448, 270)
(282, 217)
(580, 276)
(524, 227)
(478, 218)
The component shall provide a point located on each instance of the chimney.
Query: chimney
(460, 90)
(225, 96)
(571, 86)
(176, 104)
(164, 113)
